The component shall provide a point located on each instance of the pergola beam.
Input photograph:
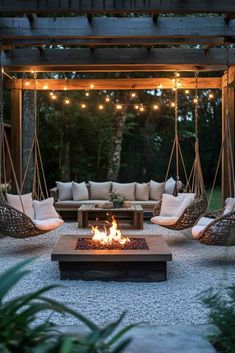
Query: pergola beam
(122, 59)
(113, 84)
(116, 27)
(114, 6)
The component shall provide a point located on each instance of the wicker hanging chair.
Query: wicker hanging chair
(194, 183)
(14, 223)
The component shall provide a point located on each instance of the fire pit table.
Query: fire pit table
(143, 260)
(127, 217)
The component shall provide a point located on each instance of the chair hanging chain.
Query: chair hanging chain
(35, 103)
(1, 95)
(176, 104)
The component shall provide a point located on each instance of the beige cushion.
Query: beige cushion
(156, 190)
(170, 186)
(48, 224)
(174, 206)
(64, 190)
(201, 225)
(100, 191)
(142, 192)
(80, 191)
(16, 201)
(229, 205)
(44, 209)
(164, 221)
(126, 190)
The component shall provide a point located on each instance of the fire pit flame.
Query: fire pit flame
(109, 236)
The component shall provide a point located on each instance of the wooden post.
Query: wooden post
(225, 171)
(16, 132)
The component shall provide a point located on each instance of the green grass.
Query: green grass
(216, 198)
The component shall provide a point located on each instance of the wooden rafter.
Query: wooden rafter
(116, 59)
(116, 27)
(114, 6)
(113, 84)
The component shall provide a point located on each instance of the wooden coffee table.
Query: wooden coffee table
(117, 265)
(127, 217)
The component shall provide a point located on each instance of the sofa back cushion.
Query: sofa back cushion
(156, 190)
(80, 191)
(142, 192)
(16, 201)
(64, 191)
(44, 209)
(126, 190)
(100, 191)
(174, 206)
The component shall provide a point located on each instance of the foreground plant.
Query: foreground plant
(19, 331)
(222, 315)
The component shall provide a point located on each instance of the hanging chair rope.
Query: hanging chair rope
(196, 182)
(226, 145)
(39, 188)
(176, 144)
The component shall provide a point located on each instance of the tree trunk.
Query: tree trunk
(28, 133)
(65, 169)
(116, 144)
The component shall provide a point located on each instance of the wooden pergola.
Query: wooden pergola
(91, 36)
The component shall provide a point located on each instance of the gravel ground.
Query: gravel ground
(195, 268)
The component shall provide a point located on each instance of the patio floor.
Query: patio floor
(194, 268)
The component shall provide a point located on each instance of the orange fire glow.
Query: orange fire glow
(110, 235)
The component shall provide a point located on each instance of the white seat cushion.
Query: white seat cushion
(16, 201)
(44, 209)
(164, 221)
(201, 225)
(48, 224)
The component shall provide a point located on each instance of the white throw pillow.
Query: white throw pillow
(156, 190)
(80, 191)
(44, 209)
(142, 192)
(48, 224)
(64, 191)
(27, 201)
(100, 191)
(174, 206)
(229, 205)
(170, 186)
(126, 190)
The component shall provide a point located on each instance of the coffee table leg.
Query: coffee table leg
(80, 219)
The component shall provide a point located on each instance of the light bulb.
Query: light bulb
(53, 96)
(177, 74)
(173, 104)
(91, 85)
(101, 107)
(65, 88)
(141, 109)
(118, 106)
(136, 107)
(87, 94)
(45, 87)
(195, 100)
(83, 106)
(51, 93)
(67, 101)
(187, 91)
(27, 83)
(107, 99)
(155, 107)
(211, 96)
(133, 95)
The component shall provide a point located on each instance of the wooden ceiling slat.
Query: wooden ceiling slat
(114, 27)
(113, 84)
(116, 59)
(111, 6)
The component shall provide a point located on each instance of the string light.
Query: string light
(173, 104)
(91, 85)
(45, 87)
(142, 109)
(187, 91)
(133, 95)
(65, 88)
(54, 97)
(211, 96)
(195, 100)
(51, 93)
(87, 94)
(83, 105)
(27, 83)
(155, 107)
(118, 106)
(67, 101)
(136, 107)
(177, 74)
(101, 107)
(107, 99)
